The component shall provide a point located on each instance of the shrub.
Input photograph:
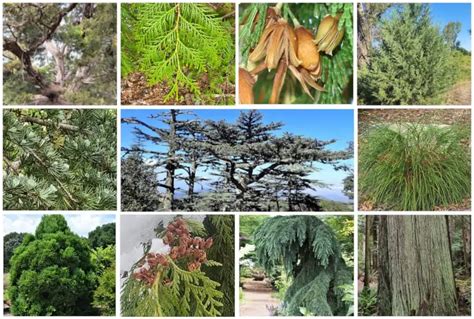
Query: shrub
(410, 64)
(415, 167)
(367, 302)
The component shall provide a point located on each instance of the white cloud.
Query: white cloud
(84, 223)
(20, 223)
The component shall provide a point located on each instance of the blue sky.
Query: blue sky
(321, 124)
(443, 13)
(80, 224)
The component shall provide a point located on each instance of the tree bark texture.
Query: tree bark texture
(415, 267)
(368, 226)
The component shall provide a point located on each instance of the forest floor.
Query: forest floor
(459, 94)
(137, 91)
(258, 299)
(369, 118)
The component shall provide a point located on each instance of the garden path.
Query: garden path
(258, 299)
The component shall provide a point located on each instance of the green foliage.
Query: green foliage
(221, 229)
(139, 183)
(102, 236)
(367, 302)
(410, 64)
(461, 62)
(343, 227)
(52, 273)
(104, 294)
(450, 33)
(311, 255)
(415, 167)
(249, 223)
(59, 159)
(10, 242)
(177, 43)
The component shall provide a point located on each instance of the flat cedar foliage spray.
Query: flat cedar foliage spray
(181, 282)
(317, 68)
(59, 159)
(175, 42)
(311, 255)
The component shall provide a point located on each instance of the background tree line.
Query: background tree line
(244, 165)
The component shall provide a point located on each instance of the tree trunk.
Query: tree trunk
(466, 243)
(364, 38)
(415, 267)
(171, 163)
(368, 226)
(192, 179)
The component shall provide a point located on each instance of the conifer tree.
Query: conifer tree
(406, 245)
(411, 63)
(139, 185)
(51, 272)
(311, 255)
(173, 138)
(175, 42)
(243, 147)
(59, 159)
(59, 53)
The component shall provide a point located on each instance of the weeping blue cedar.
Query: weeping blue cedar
(311, 255)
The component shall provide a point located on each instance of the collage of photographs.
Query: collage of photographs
(236, 159)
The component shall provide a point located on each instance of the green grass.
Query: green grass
(414, 167)
(462, 63)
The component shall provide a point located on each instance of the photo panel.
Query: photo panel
(59, 53)
(414, 53)
(237, 160)
(177, 265)
(178, 53)
(414, 159)
(60, 159)
(414, 265)
(59, 264)
(296, 53)
(296, 265)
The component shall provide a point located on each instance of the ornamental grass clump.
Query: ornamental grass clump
(415, 167)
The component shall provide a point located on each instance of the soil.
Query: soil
(258, 300)
(137, 91)
(460, 94)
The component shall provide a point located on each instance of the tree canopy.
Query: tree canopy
(59, 53)
(102, 236)
(51, 272)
